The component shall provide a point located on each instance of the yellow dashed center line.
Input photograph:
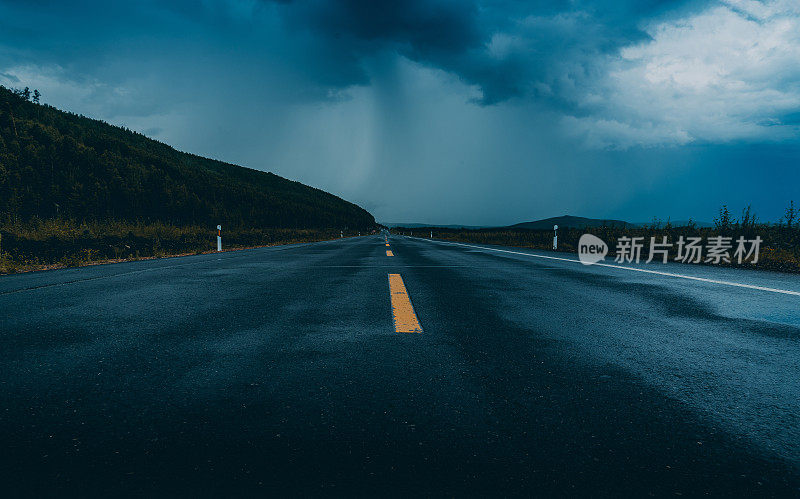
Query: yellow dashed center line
(405, 320)
(389, 253)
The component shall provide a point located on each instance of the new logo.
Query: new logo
(591, 249)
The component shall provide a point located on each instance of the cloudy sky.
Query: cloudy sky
(444, 111)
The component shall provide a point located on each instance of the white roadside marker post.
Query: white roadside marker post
(431, 234)
(555, 237)
(219, 238)
(341, 234)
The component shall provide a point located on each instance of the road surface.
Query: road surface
(281, 370)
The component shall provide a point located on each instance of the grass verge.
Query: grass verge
(56, 243)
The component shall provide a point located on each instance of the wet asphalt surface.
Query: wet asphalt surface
(277, 371)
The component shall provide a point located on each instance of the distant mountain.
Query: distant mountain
(568, 221)
(417, 226)
(684, 223)
(58, 164)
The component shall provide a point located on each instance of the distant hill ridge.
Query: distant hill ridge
(58, 164)
(565, 221)
(418, 225)
(568, 221)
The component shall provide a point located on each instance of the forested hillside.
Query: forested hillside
(58, 165)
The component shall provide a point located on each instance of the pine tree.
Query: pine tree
(723, 222)
(790, 214)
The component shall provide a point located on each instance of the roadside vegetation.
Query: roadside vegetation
(779, 251)
(54, 243)
(75, 190)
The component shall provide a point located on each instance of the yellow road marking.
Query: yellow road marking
(405, 320)
(389, 253)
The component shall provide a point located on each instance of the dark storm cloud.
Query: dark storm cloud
(546, 49)
(508, 49)
(429, 27)
(435, 32)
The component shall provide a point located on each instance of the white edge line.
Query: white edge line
(668, 274)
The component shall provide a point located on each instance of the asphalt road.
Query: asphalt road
(279, 370)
